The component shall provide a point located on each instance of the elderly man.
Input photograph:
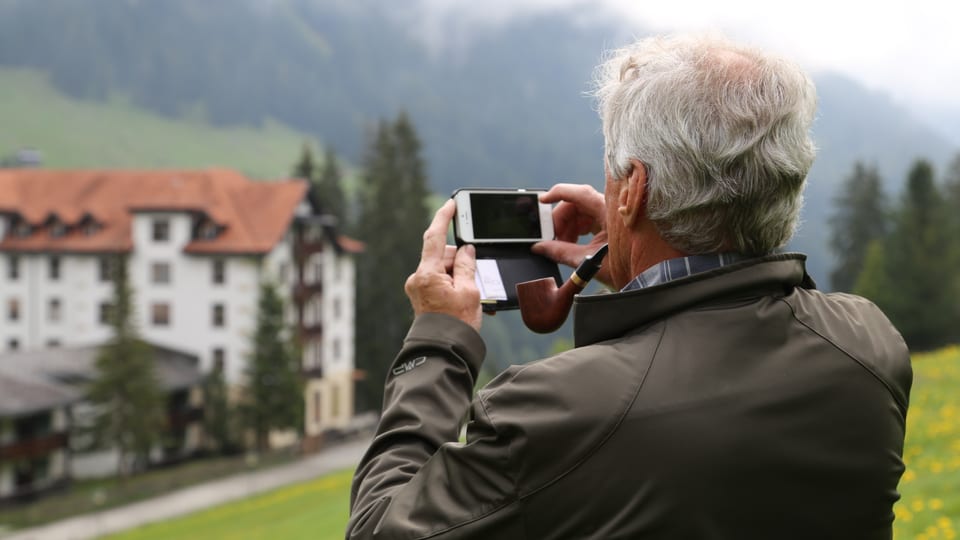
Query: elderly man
(716, 395)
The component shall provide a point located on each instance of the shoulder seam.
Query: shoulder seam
(867, 367)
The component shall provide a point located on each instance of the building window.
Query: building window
(58, 229)
(53, 343)
(160, 314)
(53, 310)
(336, 349)
(219, 359)
(219, 316)
(283, 271)
(317, 406)
(336, 309)
(22, 229)
(54, 268)
(90, 227)
(13, 268)
(13, 309)
(317, 270)
(207, 231)
(13, 344)
(317, 355)
(161, 230)
(105, 312)
(106, 268)
(160, 273)
(219, 271)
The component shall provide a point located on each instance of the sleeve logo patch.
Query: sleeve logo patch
(409, 365)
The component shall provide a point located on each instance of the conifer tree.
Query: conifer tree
(915, 285)
(860, 218)
(394, 216)
(125, 393)
(329, 187)
(216, 417)
(273, 395)
(305, 167)
(951, 194)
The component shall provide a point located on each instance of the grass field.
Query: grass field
(929, 509)
(78, 134)
(315, 510)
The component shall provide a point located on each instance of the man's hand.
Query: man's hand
(581, 211)
(439, 287)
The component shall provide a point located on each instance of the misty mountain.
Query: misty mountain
(505, 106)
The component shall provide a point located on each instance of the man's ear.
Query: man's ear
(631, 198)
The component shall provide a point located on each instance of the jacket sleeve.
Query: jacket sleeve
(416, 480)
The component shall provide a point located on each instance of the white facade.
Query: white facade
(57, 299)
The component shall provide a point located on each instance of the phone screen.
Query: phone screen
(505, 215)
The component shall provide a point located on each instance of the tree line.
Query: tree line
(902, 254)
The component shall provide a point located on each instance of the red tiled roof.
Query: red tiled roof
(254, 215)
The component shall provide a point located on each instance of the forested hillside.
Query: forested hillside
(505, 106)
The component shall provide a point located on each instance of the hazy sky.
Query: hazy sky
(910, 50)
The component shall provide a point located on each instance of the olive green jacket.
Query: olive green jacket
(738, 403)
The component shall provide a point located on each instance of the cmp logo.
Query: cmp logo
(409, 365)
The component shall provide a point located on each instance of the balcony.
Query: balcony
(303, 291)
(34, 447)
(311, 332)
(312, 372)
(306, 248)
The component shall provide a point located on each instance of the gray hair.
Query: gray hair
(723, 131)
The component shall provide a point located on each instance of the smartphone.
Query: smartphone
(501, 216)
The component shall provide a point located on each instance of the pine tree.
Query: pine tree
(951, 193)
(328, 185)
(125, 392)
(305, 167)
(915, 285)
(860, 218)
(216, 418)
(394, 216)
(273, 396)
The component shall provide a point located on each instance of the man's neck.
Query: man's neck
(649, 249)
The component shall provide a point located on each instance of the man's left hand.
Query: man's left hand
(437, 288)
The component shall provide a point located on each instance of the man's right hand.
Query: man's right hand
(581, 211)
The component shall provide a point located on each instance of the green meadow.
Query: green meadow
(930, 488)
(316, 509)
(929, 509)
(71, 133)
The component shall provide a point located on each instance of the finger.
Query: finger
(449, 253)
(558, 251)
(465, 267)
(584, 196)
(435, 238)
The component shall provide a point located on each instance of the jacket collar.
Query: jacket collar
(601, 317)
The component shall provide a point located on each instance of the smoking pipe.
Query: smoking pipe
(544, 306)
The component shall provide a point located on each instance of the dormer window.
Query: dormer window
(89, 226)
(58, 229)
(22, 229)
(208, 231)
